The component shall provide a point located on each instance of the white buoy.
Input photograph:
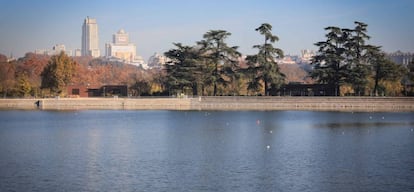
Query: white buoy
(370, 117)
(268, 147)
(271, 131)
(383, 117)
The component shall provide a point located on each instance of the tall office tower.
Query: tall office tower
(90, 39)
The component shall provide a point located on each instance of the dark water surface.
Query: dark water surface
(110, 150)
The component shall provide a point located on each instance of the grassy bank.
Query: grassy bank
(219, 103)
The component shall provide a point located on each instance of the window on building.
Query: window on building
(75, 91)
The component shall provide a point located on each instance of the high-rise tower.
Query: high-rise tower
(90, 39)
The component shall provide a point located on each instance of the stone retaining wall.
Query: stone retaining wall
(219, 103)
(307, 103)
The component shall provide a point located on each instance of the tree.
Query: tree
(7, 76)
(357, 58)
(58, 73)
(329, 65)
(32, 65)
(409, 81)
(262, 67)
(384, 71)
(411, 71)
(223, 57)
(24, 87)
(343, 58)
(141, 88)
(182, 69)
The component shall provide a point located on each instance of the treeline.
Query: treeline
(211, 66)
(345, 61)
(37, 75)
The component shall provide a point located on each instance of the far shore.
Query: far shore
(351, 104)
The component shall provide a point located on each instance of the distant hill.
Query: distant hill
(295, 73)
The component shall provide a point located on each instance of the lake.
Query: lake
(121, 150)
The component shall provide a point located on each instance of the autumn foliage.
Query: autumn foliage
(23, 77)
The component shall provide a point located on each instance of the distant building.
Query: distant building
(287, 60)
(121, 49)
(77, 53)
(157, 61)
(90, 38)
(306, 55)
(56, 49)
(11, 58)
(59, 48)
(88, 91)
(401, 58)
(40, 51)
(298, 89)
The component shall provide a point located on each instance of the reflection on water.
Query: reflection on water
(364, 124)
(205, 151)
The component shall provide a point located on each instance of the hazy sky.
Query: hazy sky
(154, 25)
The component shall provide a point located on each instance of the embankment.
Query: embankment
(219, 103)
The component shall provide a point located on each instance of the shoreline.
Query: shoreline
(228, 103)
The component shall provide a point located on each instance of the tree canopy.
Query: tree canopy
(183, 70)
(346, 59)
(262, 67)
(58, 73)
(222, 57)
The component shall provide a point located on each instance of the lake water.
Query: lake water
(117, 150)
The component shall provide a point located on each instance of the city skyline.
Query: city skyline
(154, 25)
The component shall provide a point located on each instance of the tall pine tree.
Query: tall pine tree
(344, 59)
(262, 67)
(222, 56)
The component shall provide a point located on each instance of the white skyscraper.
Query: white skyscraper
(90, 39)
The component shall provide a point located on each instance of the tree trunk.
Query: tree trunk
(195, 89)
(202, 90)
(215, 80)
(337, 90)
(215, 89)
(376, 85)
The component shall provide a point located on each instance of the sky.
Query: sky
(154, 25)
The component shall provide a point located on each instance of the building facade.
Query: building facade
(123, 50)
(307, 55)
(157, 61)
(56, 49)
(90, 38)
(77, 53)
(103, 91)
(401, 58)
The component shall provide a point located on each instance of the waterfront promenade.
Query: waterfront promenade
(219, 103)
